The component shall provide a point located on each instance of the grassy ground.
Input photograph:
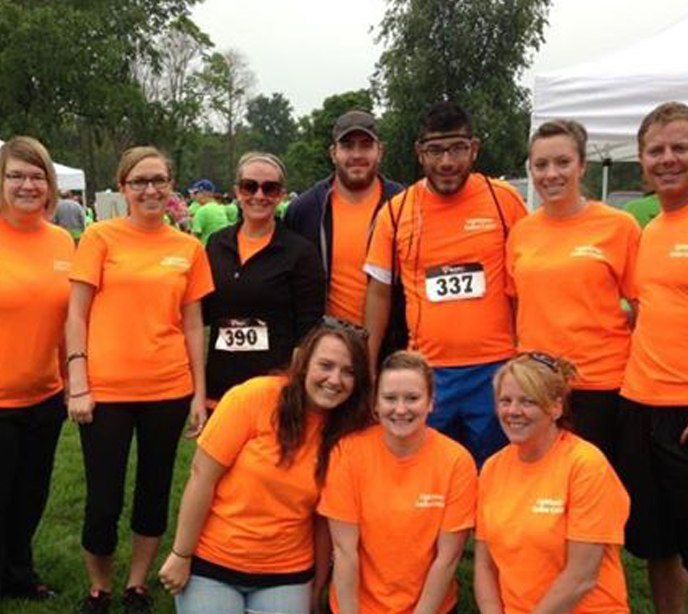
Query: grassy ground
(58, 554)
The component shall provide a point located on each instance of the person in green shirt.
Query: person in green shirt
(211, 216)
(643, 209)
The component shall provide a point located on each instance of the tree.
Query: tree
(270, 124)
(468, 51)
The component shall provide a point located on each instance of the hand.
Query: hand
(80, 409)
(174, 573)
(318, 602)
(684, 437)
(197, 417)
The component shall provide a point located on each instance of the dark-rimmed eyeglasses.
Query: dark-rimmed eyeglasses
(455, 150)
(250, 187)
(139, 185)
(337, 324)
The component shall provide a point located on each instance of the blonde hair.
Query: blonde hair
(260, 156)
(663, 114)
(543, 378)
(131, 157)
(31, 151)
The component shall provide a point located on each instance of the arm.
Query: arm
(193, 511)
(76, 333)
(346, 566)
(308, 291)
(441, 572)
(192, 324)
(323, 563)
(377, 307)
(486, 581)
(583, 562)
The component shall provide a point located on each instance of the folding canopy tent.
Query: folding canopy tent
(611, 95)
(69, 178)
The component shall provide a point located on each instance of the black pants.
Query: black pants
(105, 443)
(28, 438)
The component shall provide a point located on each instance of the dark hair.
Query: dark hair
(131, 157)
(663, 114)
(444, 117)
(292, 409)
(563, 127)
(542, 377)
(411, 361)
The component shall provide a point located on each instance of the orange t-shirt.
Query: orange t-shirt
(657, 371)
(261, 517)
(250, 246)
(451, 252)
(527, 512)
(569, 276)
(136, 346)
(401, 505)
(34, 292)
(350, 233)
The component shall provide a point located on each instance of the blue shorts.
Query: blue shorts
(464, 408)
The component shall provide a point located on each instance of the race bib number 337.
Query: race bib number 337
(455, 282)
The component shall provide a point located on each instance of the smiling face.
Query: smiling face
(24, 190)
(259, 208)
(525, 423)
(447, 162)
(664, 160)
(403, 403)
(329, 379)
(356, 158)
(147, 205)
(557, 170)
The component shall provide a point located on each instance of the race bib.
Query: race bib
(455, 282)
(243, 335)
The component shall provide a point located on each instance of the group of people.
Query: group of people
(544, 356)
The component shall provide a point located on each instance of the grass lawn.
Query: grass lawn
(58, 553)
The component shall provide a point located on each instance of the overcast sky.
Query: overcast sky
(310, 49)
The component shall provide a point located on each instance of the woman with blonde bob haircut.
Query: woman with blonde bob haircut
(35, 257)
(551, 510)
(135, 343)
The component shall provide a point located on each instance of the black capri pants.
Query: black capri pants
(105, 444)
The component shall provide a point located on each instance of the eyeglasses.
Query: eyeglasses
(455, 151)
(337, 324)
(139, 185)
(543, 359)
(249, 187)
(20, 178)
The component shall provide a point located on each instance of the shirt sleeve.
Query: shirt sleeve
(628, 287)
(89, 258)
(378, 263)
(598, 505)
(459, 512)
(200, 279)
(509, 282)
(338, 499)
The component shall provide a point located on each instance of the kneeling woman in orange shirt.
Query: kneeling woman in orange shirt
(551, 510)
(400, 499)
(247, 535)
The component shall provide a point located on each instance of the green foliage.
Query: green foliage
(270, 124)
(468, 51)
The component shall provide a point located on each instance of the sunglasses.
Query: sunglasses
(543, 359)
(337, 324)
(250, 187)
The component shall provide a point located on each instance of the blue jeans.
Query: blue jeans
(464, 408)
(205, 596)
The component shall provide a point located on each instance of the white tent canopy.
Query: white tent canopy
(610, 96)
(68, 178)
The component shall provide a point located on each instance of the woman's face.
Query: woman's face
(525, 423)
(259, 191)
(147, 189)
(556, 169)
(25, 189)
(330, 376)
(403, 403)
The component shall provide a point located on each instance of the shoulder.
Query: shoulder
(390, 188)
(59, 234)
(449, 449)
(360, 442)
(259, 393)
(292, 240)
(315, 195)
(619, 216)
(496, 464)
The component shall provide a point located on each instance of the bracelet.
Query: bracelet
(181, 556)
(76, 355)
(79, 394)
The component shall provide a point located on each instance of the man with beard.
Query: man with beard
(448, 233)
(337, 213)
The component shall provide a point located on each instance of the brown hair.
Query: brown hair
(543, 378)
(31, 151)
(260, 156)
(412, 361)
(563, 127)
(131, 157)
(663, 114)
(292, 409)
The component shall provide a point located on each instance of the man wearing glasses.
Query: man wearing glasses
(337, 213)
(447, 233)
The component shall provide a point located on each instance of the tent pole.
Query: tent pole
(606, 166)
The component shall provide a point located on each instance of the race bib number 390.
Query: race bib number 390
(455, 282)
(243, 335)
